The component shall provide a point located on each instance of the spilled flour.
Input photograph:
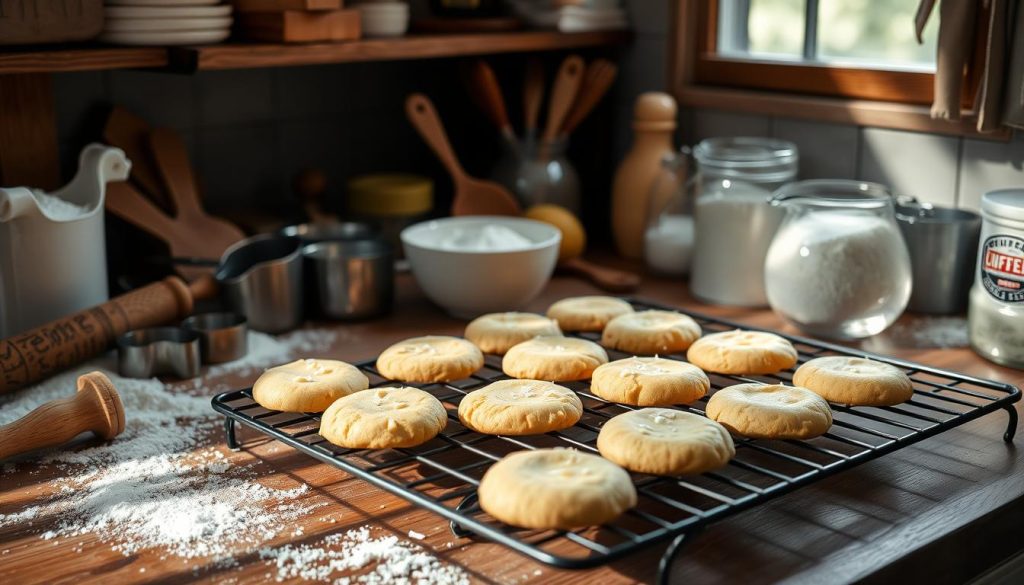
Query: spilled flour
(165, 483)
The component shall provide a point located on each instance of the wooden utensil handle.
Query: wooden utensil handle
(424, 117)
(563, 94)
(34, 355)
(533, 93)
(608, 279)
(171, 158)
(125, 202)
(95, 407)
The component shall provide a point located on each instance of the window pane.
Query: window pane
(769, 29)
(879, 33)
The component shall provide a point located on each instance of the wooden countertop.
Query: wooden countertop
(940, 511)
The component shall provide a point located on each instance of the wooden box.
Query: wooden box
(294, 26)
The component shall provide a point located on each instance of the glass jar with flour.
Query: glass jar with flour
(996, 309)
(668, 237)
(838, 266)
(734, 222)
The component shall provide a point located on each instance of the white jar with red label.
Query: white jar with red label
(996, 310)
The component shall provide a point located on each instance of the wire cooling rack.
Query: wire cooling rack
(442, 475)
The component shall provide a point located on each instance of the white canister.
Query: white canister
(996, 309)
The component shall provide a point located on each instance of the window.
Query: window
(855, 49)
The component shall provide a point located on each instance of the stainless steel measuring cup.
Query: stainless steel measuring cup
(354, 280)
(943, 246)
(261, 278)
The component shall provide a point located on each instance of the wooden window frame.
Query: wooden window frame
(871, 97)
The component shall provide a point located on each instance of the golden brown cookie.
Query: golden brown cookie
(383, 418)
(434, 358)
(497, 332)
(742, 352)
(649, 381)
(520, 407)
(307, 385)
(663, 441)
(854, 381)
(553, 358)
(555, 488)
(650, 332)
(587, 313)
(762, 411)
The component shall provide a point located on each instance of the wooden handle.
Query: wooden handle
(311, 187)
(487, 92)
(130, 133)
(171, 158)
(95, 407)
(533, 94)
(41, 352)
(563, 94)
(599, 78)
(608, 279)
(424, 118)
(125, 202)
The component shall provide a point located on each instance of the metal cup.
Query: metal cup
(943, 246)
(261, 278)
(353, 280)
(330, 231)
(222, 336)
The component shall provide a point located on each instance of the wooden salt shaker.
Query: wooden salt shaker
(654, 121)
(95, 407)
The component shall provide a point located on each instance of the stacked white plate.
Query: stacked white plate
(383, 18)
(165, 22)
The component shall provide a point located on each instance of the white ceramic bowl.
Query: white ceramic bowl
(469, 283)
(386, 23)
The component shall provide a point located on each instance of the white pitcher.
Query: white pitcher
(52, 248)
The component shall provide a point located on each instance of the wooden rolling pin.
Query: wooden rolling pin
(95, 407)
(35, 355)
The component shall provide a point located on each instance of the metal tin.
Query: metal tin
(144, 353)
(943, 246)
(223, 337)
(261, 278)
(353, 280)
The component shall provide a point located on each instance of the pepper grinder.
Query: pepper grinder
(654, 121)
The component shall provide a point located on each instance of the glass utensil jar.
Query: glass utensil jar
(734, 221)
(995, 312)
(538, 172)
(838, 266)
(668, 237)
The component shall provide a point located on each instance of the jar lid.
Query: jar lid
(390, 194)
(1008, 203)
(763, 159)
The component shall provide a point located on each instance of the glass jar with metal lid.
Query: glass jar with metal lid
(391, 202)
(996, 308)
(734, 222)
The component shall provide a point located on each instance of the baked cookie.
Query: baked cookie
(307, 385)
(763, 411)
(383, 418)
(854, 381)
(497, 332)
(555, 488)
(742, 352)
(434, 358)
(650, 332)
(649, 381)
(587, 313)
(663, 441)
(554, 358)
(520, 407)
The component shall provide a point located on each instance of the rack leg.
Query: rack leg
(229, 433)
(1011, 427)
(457, 530)
(665, 564)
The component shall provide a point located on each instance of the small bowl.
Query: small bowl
(378, 21)
(468, 283)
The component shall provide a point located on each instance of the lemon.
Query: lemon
(574, 239)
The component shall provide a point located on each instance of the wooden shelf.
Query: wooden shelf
(84, 58)
(251, 55)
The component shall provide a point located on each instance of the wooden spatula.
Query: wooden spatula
(563, 94)
(596, 81)
(533, 96)
(130, 133)
(486, 92)
(472, 196)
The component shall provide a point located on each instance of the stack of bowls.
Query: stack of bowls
(383, 18)
(165, 22)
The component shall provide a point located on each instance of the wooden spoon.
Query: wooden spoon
(609, 279)
(533, 96)
(486, 92)
(598, 79)
(130, 133)
(472, 196)
(563, 94)
(95, 407)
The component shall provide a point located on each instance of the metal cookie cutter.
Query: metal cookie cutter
(145, 353)
(222, 336)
